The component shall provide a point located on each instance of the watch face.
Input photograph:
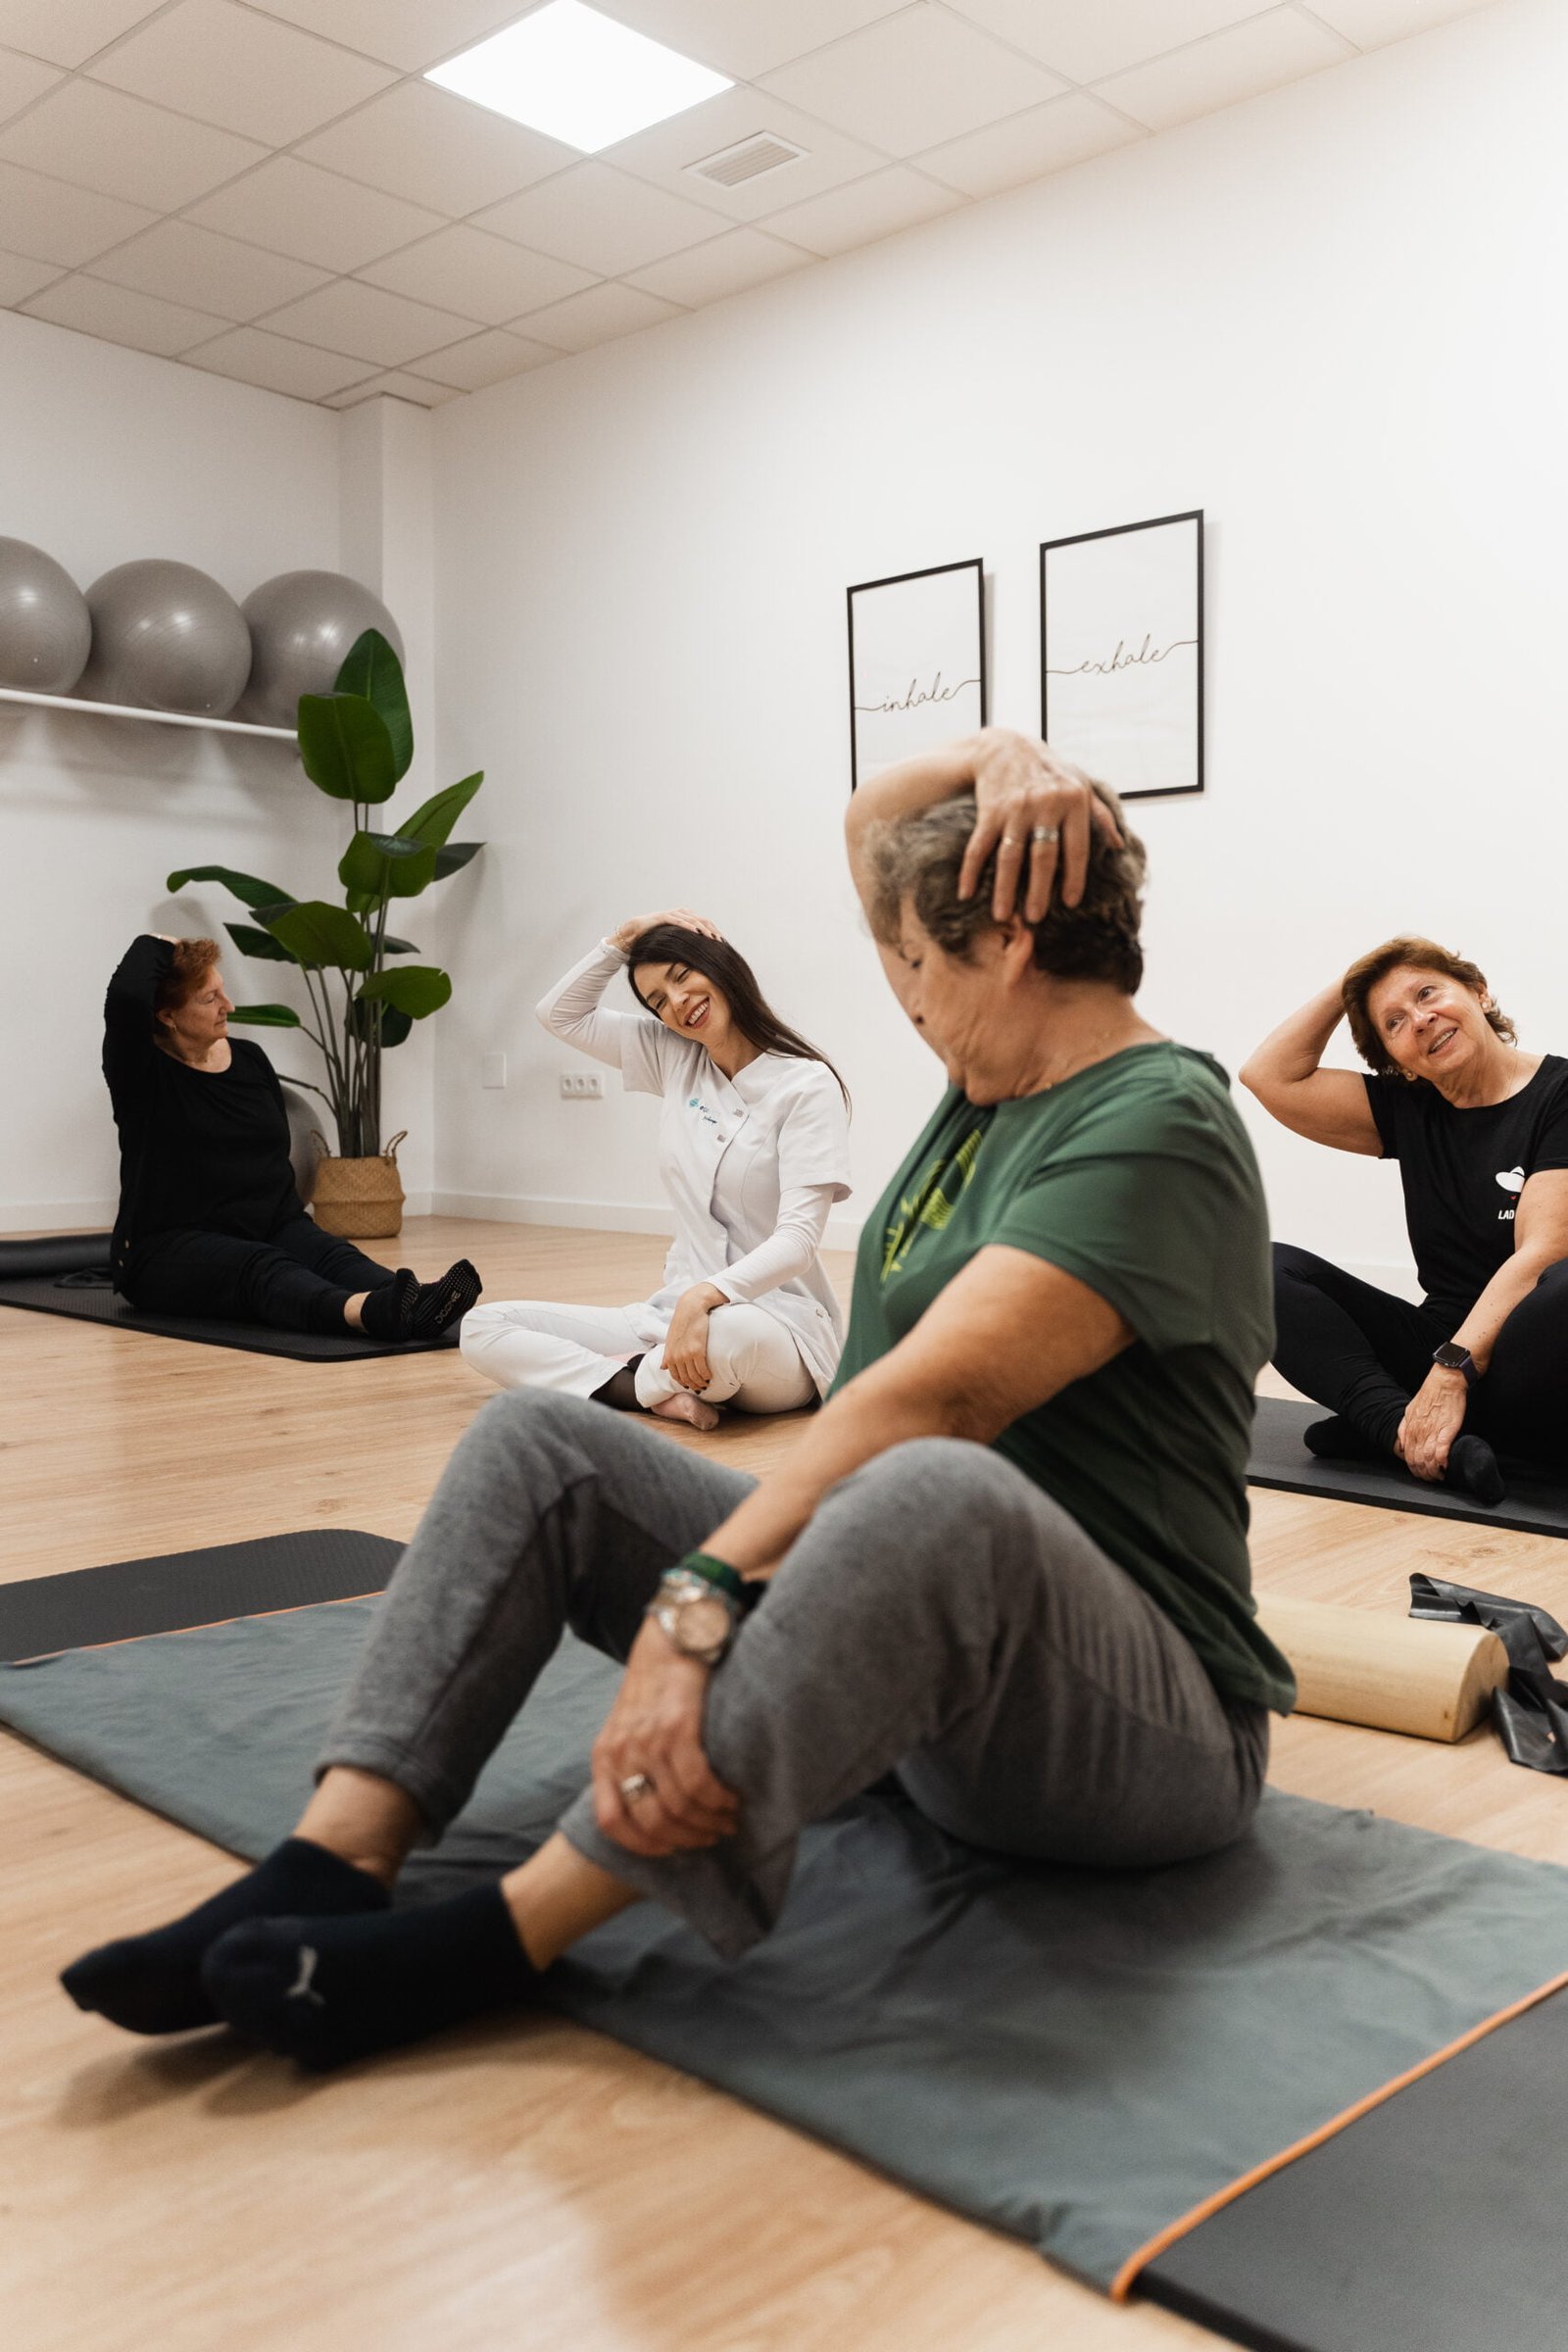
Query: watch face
(1451, 1357)
(702, 1625)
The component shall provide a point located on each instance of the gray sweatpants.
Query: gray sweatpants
(939, 1617)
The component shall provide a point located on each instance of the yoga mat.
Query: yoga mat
(61, 1292)
(54, 1253)
(1533, 1506)
(1432, 2225)
(1077, 2058)
(172, 1590)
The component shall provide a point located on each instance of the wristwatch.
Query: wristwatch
(696, 1616)
(1452, 1358)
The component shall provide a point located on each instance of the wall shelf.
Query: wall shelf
(165, 718)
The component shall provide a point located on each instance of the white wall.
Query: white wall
(104, 456)
(1329, 316)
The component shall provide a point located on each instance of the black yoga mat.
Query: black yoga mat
(68, 1274)
(177, 1589)
(1076, 2057)
(1533, 1506)
(1432, 2223)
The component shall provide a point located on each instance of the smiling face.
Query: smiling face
(688, 1002)
(1429, 1025)
(192, 1029)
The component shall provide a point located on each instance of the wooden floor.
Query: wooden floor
(525, 2183)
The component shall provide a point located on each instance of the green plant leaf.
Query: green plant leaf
(268, 1016)
(373, 671)
(431, 824)
(416, 988)
(364, 865)
(398, 947)
(251, 941)
(396, 1026)
(345, 748)
(455, 857)
(318, 935)
(245, 886)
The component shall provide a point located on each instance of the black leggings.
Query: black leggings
(1364, 1353)
(300, 1280)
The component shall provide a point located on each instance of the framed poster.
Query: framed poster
(1121, 653)
(918, 664)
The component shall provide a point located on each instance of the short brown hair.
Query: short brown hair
(918, 858)
(1422, 955)
(189, 965)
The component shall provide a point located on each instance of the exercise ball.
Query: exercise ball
(305, 1141)
(45, 627)
(303, 626)
(166, 637)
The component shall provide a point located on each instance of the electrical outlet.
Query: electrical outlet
(582, 1086)
(493, 1070)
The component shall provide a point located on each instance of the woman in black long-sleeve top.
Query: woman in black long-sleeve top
(210, 1222)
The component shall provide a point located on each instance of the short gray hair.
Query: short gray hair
(916, 860)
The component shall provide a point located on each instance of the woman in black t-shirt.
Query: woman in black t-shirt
(1480, 1131)
(210, 1222)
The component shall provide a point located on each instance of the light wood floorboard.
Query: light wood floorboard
(527, 2182)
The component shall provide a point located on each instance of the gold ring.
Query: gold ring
(636, 1784)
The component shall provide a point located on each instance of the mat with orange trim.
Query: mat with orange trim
(1094, 2062)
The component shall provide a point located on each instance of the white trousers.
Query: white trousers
(533, 1344)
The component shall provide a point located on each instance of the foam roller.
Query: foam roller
(1396, 1674)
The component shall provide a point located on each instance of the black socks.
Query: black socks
(327, 1991)
(152, 1983)
(387, 1309)
(1472, 1469)
(1472, 1465)
(407, 1308)
(1339, 1440)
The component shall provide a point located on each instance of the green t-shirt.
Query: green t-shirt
(1135, 1176)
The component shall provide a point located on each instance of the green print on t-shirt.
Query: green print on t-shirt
(930, 1205)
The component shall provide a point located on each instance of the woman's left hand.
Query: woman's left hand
(1433, 1419)
(685, 1357)
(655, 1730)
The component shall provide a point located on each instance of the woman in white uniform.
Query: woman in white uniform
(754, 1152)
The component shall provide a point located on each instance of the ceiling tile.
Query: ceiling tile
(1043, 139)
(122, 146)
(22, 80)
(1230, 66)
(483, 277)
(121, 316)
(485, 359)
(1371, 23)
(597, 316)
(68, 31)
(410, 33)
(293, 207)
(395, 385)
(246, 73)
(19, 278)
(433, 148)
(365, 322)
(661, 155)
(913, 80)
(1085, 42)
(181, 263)
(598, 219)
(49, 222)
(749, 39)
(725, 265)
(868, 209)
(258, 358)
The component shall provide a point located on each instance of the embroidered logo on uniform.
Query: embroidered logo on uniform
(692, 1104)
(1512, 1179)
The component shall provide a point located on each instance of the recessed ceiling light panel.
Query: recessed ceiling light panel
(579, 76)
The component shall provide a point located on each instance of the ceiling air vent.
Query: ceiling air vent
(747, 160)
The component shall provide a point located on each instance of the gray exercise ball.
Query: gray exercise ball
(45, 626)
(306, 1143)
(166, 637)
(303, 626)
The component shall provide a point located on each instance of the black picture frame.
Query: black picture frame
(952, 687)
(1137, 647)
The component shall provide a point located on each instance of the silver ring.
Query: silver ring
(1047, 833)
(636, 1784)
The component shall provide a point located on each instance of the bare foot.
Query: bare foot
(684, 1407)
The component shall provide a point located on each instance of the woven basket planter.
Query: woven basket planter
(359, 1199)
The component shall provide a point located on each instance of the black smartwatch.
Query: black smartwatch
(1451, 1358)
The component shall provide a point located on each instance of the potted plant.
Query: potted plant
(356, 744)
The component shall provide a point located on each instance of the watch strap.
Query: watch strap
(743, 1592)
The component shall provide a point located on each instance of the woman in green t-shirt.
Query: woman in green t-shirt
(1007, 1560)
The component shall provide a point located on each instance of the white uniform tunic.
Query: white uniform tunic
(752, 1165)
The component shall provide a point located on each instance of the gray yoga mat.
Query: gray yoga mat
(1533, 1506)
(1076, 2058)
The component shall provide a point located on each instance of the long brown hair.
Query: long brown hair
(728, 969)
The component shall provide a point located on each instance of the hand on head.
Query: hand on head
(1031, 805)
(681, 918)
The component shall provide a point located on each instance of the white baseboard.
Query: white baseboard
(596, 1216)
